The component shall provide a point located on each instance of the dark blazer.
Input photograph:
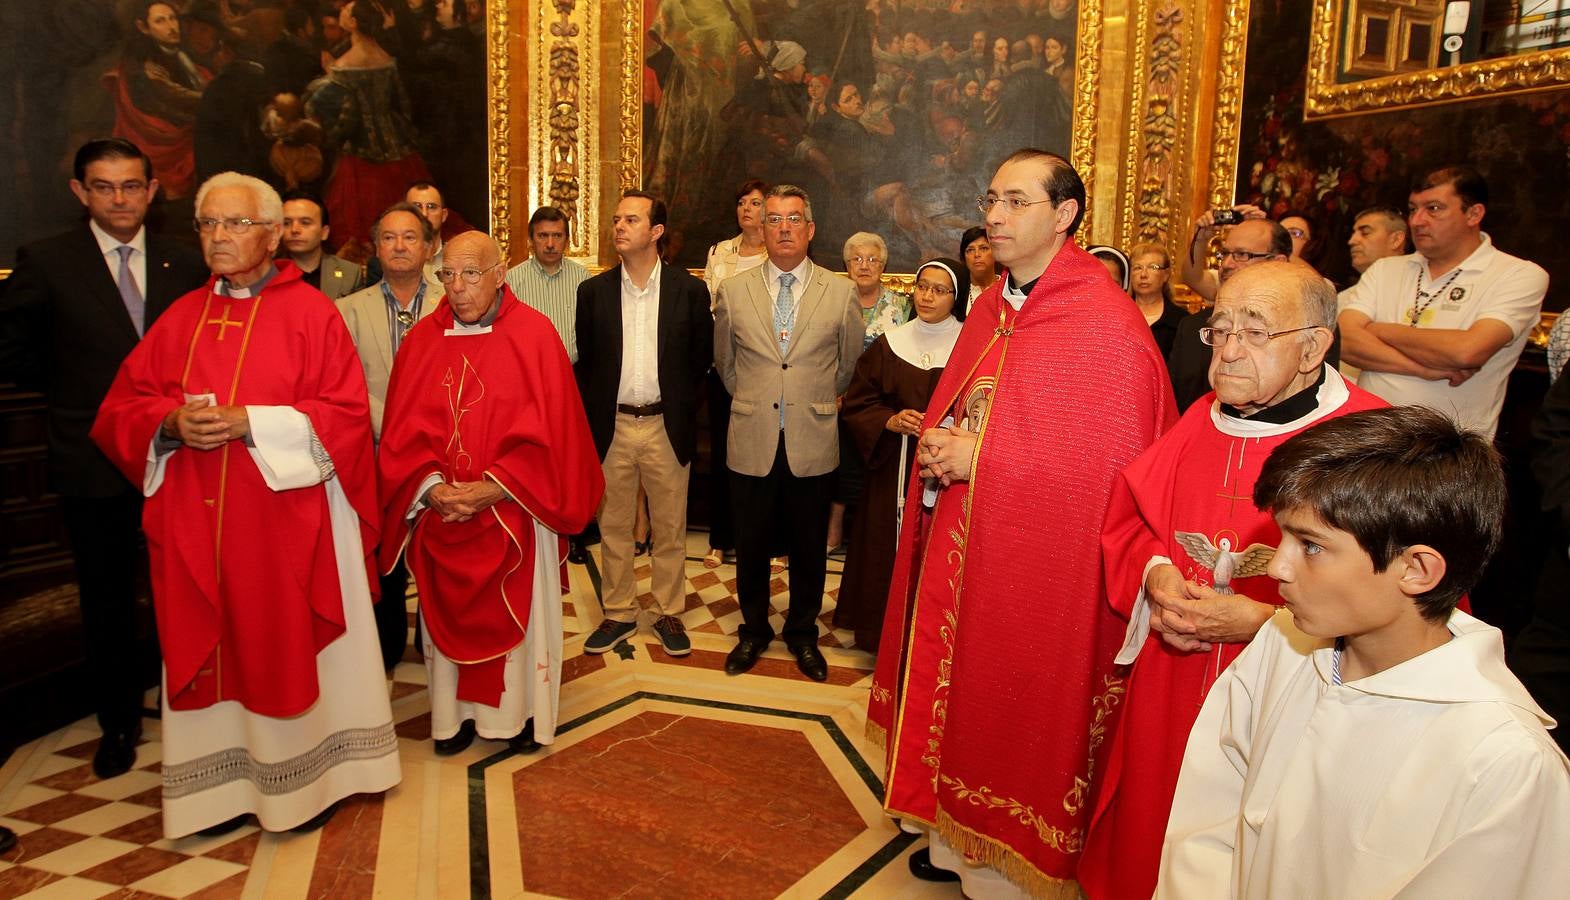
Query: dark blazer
(686, 350)
(64, 332)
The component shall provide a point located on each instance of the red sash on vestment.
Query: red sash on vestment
(1196, 482)
(245, 578)
(995, 685)
(500, 406)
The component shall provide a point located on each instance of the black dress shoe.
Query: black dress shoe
(577, 553)
(921, 866)
(225, 826)
(744, 655)
(811, 662)
(315, 822)
(458, 742)
(7, 839)
(116, 753)
(523, 741)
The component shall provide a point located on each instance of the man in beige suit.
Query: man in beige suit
(786, 338)
(378, 318)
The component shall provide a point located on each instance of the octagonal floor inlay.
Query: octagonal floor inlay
(666, 805)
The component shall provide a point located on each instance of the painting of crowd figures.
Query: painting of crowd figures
(891, 113)
(352, 100)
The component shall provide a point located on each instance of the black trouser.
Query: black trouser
(106, 541)
(781, 509)
(722, 533)
(392, 615)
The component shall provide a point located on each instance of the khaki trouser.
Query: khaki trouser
(640, 453)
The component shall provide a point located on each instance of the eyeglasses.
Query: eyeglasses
(109, 189)
(1150, 267)
(866, 260)
(428, 207)
(1253, 337)
(936, 290)
(1240, 256)
(777, 219)
(205, 225)
(471, 276)
(1015, 204)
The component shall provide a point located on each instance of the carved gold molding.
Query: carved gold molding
(631, 156)
(1156, 104)
(1227, 119)
(563, 97)
(1325, 98)
(1087, 81)
(499, 109)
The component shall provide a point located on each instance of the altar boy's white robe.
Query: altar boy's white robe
(1434, 778)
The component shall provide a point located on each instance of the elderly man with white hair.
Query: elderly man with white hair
(242, 416)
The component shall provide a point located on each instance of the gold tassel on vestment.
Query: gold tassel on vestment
(877, 737)
(993, 854)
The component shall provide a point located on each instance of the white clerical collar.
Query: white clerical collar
(925, 345)
(108, 243)
(1332, 395)
(1015, 297)
(225, 289)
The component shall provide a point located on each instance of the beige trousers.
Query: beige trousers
(640, 453)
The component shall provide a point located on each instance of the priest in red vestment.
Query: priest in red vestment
(243, 417)
(486, 459)
(1186, 550)
(995, 689)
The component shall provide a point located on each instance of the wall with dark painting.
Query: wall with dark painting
(351, 100)
(1334, 168)
(891, 115)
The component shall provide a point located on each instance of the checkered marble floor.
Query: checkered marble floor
(82, 837)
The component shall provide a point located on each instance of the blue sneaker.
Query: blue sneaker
(609, 634)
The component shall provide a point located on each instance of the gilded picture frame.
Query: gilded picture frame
(1326, 98)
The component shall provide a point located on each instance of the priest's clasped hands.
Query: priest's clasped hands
(946, 454)
(463, 501)
(203, 426)
(1191, 616)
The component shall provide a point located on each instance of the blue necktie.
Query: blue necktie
(783, 313)
(129, 295)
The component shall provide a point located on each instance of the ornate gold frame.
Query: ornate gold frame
(1325, 98)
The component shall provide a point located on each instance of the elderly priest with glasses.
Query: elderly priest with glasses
(242, 417)
(486, 461)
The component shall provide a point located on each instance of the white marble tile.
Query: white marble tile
(82, 855)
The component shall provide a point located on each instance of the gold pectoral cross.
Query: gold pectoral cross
(1233, 498)
(223, 321)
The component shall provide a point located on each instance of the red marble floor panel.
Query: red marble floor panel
(40, 842)
(153, 797)
(402, 689)
(19, 881)
(81, 751)
(70, 779)
(708, 627)
(146, 830)
(773, 668)
(704, 579)
(682, 806)
(54, 810)
(579, 666)
(128, 894)
(239, 851)
(415, 729)
(134, 866)
(724, 606)
(231, 888)
(346, 856)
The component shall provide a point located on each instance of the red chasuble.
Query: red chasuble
(995, 686)
(245, 581)
(1190, 499)
(500, 406)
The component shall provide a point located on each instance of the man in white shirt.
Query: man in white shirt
(644, 341)
(1444, 326)
(1370, 742)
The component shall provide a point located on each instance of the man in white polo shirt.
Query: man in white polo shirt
(1444, 326)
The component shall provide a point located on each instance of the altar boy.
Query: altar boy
(1370, 741)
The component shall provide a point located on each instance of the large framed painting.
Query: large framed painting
(350, 99)
(892, 114)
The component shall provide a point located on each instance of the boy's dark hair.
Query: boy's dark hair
(1393, 478)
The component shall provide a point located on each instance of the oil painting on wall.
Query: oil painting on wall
(350, 99)
(892, 114)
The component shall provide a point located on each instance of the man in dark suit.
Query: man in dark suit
(645, 341)
(786, 338)
(71, 312)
